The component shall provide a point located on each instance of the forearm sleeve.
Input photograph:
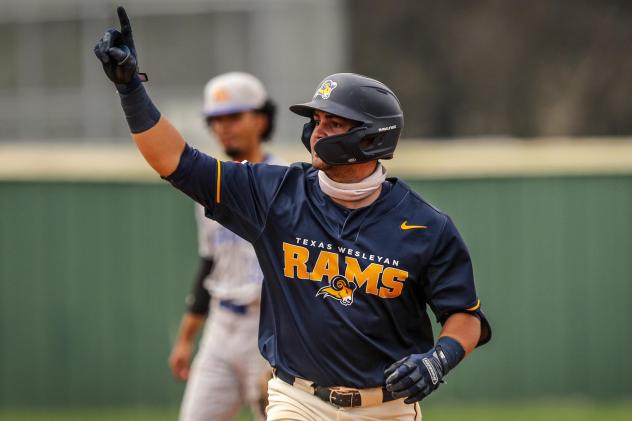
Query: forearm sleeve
(199, 298)
(140, 111)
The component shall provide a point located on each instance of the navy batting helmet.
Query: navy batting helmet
(364, 100)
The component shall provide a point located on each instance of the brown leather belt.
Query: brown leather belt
(343, 397)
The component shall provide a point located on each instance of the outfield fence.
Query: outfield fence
(93, 274)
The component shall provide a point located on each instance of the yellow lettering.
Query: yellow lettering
(393, 282)
(368, 276)
(295, 258)
(326, 265)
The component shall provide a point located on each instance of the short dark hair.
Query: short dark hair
(269, 110)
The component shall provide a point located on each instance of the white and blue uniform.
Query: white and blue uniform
(227, 370)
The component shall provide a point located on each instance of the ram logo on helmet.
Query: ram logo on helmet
(326, 89)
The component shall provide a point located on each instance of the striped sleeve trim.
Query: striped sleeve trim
(219, 179)
(475, 307)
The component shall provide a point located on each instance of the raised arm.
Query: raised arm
(236, 195)
(158, 141)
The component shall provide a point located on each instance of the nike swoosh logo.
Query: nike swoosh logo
(405, 226)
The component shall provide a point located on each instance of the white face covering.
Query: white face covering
(352, 191)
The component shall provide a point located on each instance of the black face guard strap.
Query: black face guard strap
(308, 129)
(344, 148)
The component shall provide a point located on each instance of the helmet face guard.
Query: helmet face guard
(354, 97)
(352, 147)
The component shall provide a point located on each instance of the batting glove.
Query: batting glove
(117, 54)
(416, 376)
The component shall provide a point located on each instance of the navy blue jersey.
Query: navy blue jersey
(345, 291)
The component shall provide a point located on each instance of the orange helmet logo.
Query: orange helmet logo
(340, 289)
(326, 89)
(220, 95)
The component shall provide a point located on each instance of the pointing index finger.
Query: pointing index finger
(126, 28)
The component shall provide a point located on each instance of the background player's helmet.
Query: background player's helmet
(355, 97)
(237, 92)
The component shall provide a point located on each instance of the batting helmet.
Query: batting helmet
(364, 100)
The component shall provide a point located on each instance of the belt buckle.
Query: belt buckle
(345, 399)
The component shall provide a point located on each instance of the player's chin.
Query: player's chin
(319, 164)
(233, 152)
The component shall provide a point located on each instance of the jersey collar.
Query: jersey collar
(331, 212)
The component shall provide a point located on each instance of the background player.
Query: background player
(228, 367)
(351, 260)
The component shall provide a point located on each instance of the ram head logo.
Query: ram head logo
(340, 289)
(326, 89)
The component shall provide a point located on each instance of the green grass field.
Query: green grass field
(547, 411)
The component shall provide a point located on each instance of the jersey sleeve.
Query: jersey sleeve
(449, 286)
(236, 195)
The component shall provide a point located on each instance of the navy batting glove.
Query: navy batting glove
(416, 376)
(117, 54)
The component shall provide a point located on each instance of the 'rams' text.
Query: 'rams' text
(375, 278)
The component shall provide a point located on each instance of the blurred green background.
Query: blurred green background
(94, 274)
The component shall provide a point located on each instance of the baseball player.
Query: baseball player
(228, 367)
(351, 259)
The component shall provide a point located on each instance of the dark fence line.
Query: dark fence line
(93, 278)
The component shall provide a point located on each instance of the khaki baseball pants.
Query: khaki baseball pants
(289, 403)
